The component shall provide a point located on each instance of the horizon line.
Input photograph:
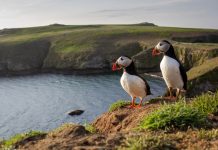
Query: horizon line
(140, 23)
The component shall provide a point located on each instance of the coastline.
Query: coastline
(100, 71)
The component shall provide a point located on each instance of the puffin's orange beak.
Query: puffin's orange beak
(155, 52)
(115, 67)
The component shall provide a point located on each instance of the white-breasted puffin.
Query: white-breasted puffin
(172, 70)
(131, 82)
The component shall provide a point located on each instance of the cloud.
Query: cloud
(21, 13)
(148, 7)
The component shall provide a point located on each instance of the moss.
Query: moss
(90, 128)
(118, 104)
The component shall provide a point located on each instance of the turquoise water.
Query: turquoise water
(40, 102)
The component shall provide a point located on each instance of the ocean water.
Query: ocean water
(41, 102)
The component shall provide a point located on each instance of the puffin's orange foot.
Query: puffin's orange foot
(131, 106)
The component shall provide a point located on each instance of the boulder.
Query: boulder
(75, 112)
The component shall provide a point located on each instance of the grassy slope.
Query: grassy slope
(25, 34)
(75, 46)
(78, 33)
(200, 70)
(170, 126)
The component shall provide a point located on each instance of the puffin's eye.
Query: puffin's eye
(161, 44)
(121, 58)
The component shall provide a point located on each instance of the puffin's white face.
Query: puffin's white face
(161, 47)
(124, 61)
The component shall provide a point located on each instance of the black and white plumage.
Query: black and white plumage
(131, 82)
(172, 70)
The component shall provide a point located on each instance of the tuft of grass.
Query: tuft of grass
(10, 143)
(90, 128)
(208, 134)
(148, 141)
(206, 103)
(179, 115)
(118, 104)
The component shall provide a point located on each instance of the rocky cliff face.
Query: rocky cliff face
(39, 55)
(18, 57)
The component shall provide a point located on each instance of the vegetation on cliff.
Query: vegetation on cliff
(70, 47)
(179, 115)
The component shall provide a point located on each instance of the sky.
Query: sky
(176, 13)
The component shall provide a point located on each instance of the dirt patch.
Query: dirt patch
(73, 137)
(190, 139)
(123, 119)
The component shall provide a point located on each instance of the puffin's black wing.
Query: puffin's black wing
(131, 70)
(184, 76)
(147, 90)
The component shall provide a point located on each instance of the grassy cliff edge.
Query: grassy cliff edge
(159, 124)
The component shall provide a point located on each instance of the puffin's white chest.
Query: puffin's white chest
(133, 85)
(171, 73)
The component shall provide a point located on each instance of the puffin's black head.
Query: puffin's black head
(164, 47)
(126, 63)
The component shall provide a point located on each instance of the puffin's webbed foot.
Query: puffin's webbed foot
(131, 106)
(133, 103)
(140, 104)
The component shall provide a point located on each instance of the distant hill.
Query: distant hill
(147, 24)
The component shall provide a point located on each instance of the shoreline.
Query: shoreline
(73, 72)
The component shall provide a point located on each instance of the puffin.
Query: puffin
(131, 81)
(173, 72)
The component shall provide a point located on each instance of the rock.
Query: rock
(75, 112)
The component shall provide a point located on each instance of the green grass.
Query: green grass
(25, 34)
(206, 103)
(179, 115)
(9, 144)
(118, 104)
(90, 128)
